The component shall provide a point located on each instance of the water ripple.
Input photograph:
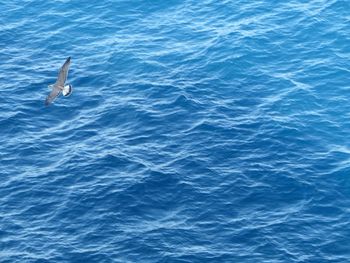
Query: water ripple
(197, 131)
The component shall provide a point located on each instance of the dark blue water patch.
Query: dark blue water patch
(196, 132)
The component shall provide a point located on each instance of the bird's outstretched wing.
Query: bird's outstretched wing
(53, 95)
(62, 75)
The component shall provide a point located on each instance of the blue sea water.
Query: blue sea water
(197, 131)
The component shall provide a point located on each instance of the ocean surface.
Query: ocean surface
(197, 131)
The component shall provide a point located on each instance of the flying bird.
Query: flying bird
(60, 86)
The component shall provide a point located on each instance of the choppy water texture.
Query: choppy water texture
(197, 131)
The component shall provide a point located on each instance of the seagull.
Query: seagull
(60, 84)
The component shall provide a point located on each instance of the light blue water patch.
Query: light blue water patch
(197, 131)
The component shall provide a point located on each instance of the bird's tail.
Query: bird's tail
(67, 90)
